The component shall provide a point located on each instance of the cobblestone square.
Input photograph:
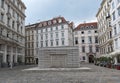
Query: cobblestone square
(96, 75)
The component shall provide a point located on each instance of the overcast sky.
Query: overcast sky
(78, 11)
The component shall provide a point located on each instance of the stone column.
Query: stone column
(11, 58)
(4, 64)
(115, 60)
(16, 56)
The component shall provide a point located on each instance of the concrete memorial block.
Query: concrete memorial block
(59, 57)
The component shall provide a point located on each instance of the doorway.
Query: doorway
(91, 59)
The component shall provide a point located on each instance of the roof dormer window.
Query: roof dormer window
(54, 21)
(60, 20)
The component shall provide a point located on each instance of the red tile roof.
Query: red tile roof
(51, 22)
(86, 25)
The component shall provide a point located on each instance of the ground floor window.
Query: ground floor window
(118, 58)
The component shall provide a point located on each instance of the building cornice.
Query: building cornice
(15, 7)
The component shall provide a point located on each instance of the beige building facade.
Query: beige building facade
(86, 37)
(12, 32)
(30, 44)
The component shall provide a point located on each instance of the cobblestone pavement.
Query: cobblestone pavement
(96, 75)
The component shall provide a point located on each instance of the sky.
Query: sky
(78, 11)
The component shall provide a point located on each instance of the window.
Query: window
(116, 43)
(113, 5)
(8, 21)
(46, 42)
(83, 48)
(51, 42)
(89, 32)
(57, 42)
(83, 40)
(82, 32)
(83, 57)
(2, 17)
(113, 16)
(2, 3)
(118, 11)
(56, 35)
(8, 8)
(51, 35)
(96, 39)
(62, 26)
(51, 28)
(62, 34)
(13, 24)
(46, 35)
(56, 28)
(41, 30)
(46, 30)
(41, 37)
(90, 48)
(110, 34)
(115, 30)
(41, 43)
(62, 42)
(76, 40)
(89, 39)
(97, 49)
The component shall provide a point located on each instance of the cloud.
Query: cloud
(73, 10)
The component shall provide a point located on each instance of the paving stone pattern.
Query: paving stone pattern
(97, 75)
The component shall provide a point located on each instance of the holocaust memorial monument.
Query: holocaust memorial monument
(59, 57)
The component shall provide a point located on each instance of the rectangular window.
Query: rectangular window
(62, 34)
(56, 35)
(46, 42)
(51, 42)
(2, 17)
(96, 39)
(62, 41)
(113, 16)
(89, 39)
(46, 35)
(41, 37)
(83, 48)
(57, 42)
(76, 40)
(90, 48)
(116, 43)
(62, 27)
(83, 40)
(97, 49)
(51, 35)
(13, 24)
(2, 3)
(56, 27)
(46, 29)
(8, 21)
(82, 32)
(8, 8)
(115, 30)
(41, 43)
(113, 5)
(51, 29)
(118, 11)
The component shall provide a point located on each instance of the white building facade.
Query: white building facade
(55, 32)
(105, 29)
(86, 37)
(12, 32)
(115, 22)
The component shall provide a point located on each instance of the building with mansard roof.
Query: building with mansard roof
(86, 37)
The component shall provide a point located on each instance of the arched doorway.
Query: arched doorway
(91, 59)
